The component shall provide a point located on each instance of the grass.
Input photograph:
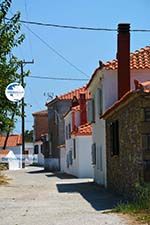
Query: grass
(140, 207)
(133, 209)
(3, 179)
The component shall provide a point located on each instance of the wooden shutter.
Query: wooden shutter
(100, 102)
(94, 154)
(91, 111)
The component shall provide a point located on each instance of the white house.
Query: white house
(9, 158)
(109, 83)
(78, 140)
(14, 143)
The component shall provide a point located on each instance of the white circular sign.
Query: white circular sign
(14, 92)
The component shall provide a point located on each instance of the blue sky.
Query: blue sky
(82, 48)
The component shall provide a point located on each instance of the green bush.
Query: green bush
(142, 195)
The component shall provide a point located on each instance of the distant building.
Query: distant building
(14, 143)
(78, 139)
(56, 136)
(40, 128)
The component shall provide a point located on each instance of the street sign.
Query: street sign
(14, 92)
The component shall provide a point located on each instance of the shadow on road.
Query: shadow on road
(98, 197)
(37, 171)
(61, 175)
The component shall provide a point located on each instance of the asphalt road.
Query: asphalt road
(34, 197)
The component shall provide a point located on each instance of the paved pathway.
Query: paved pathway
(34, 197)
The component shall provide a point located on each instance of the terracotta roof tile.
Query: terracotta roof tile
(140, 59)
(4, 153)
(13, 140)
(76, 92)
(82, 130)
(76, 108)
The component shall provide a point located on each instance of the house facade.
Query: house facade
(14, 144)
(78, 139)
(40, 128)
(56, 127)
(8, 158)
(128, 140)
(109, 82)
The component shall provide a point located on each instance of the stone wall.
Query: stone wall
(126, 169)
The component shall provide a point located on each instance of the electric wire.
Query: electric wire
(57, 78)
(76, 27)
(56, 52)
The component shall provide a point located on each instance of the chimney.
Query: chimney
(123, 56)
(83, 115)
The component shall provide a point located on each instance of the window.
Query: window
(100, 102)
(66, 132)
(146, 142)
(91, 111)
(70, 157)
(94, 154)
(147, 170)
(36, 149)
(114, 138)
(74, 148)
(147, 114)
(69, 131)
(42, 149)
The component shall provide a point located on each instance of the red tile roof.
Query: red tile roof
(83, 130)
(76, 92)
(144, 86)
(4, 153)
(13, 140)
(40, 113)
(76, 108)
(140, 59)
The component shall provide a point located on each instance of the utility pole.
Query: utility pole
(22, 63)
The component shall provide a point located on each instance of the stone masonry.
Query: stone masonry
(127, 168)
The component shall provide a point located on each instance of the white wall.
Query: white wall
(17, 150)
(63, 165)
(107, 80)
(13, 162)
(85, 169)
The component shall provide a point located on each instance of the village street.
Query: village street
(34, 197)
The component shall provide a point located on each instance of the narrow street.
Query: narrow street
(34, 197)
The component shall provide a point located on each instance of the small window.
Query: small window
(147, 170)
(146, 142)
(91, 111)
(74, 148)
(66, 132)
(36, 149)
(93, 154)
(100, 102)
(147, 114)
(69, 131)
(114, 138)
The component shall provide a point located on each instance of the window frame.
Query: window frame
(114, 138)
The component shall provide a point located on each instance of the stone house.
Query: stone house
(40, 128)
(128, 140)
(56, 127)
(109, 82)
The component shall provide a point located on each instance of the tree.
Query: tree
(10, 38)
(28, 136)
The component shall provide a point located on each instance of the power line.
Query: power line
(76, 27)
(58, 78)
(56, 52)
